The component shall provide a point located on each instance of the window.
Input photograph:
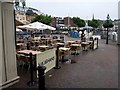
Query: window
(17, 17)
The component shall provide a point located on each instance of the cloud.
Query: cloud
(72, 1)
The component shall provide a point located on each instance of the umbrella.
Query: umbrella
(18, 30)
(37, 25)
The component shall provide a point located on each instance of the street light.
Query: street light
(107, 25)
(108, 18)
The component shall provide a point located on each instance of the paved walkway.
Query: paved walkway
(93, 69)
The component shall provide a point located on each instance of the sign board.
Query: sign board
(95, 44)
(47, 59)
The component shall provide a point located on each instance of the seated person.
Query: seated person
(83, 39)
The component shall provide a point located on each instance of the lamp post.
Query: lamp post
(107, 25)
(108, 17)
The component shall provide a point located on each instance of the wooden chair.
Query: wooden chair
(72, 50)
(25, 61)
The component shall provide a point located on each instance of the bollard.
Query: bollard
(31, 82)
(63, 59)
(93, 45)
(97, 43)
(46, 42)
(57, 59)
(41, 77)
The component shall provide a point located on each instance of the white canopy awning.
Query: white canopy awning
(37, 25)
(18, 30)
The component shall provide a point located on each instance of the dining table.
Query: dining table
(27, 52)
(43, 47)
(85, 45)
(63, 53)
(71, 41)
(75, 48)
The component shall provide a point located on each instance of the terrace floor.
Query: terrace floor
(93, 69)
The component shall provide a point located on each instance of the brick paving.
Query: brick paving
(93, 69)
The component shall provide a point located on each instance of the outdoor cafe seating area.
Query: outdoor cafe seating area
(36, 45)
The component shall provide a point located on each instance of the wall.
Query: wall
(119, 23)
(1, 47)
(7, 46)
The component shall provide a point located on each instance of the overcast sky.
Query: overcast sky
(81, 8)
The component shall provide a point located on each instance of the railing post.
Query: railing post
(57, 59)
(31, 82)
(93, 44)
(107, 37)
(97, 42)
(41, 77)
(28, 46)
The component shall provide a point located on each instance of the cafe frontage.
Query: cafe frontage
(32, 53)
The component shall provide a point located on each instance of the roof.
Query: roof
(18, 23)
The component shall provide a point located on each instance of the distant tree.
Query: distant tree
(93, 23)
(46, 19)
(29, 12)
(78, 21)
(108, 24)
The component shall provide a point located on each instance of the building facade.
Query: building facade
(65, 23)
(115, 23)
(26, 14)
(119, 22)
(69, 22)
(21, 18)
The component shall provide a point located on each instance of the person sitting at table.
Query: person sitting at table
(83, 39)
(43, 36)
(91, 39)
(91, 44)
(55, 37)
(28, 46)
(67, 45)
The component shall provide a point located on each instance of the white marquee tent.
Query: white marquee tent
(86, 26)
(37, 25)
